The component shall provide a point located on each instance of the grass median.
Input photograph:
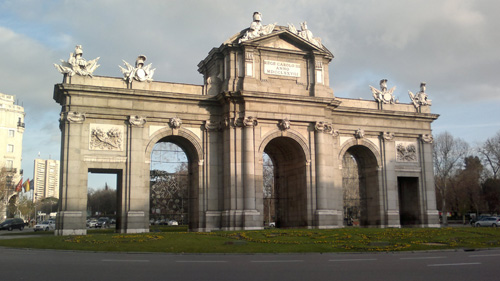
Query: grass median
(178, 240)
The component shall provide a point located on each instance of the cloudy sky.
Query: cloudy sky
(452, 45)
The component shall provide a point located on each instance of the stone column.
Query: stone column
(249, 162)
(213, 182)
(321, 131)
(252, 219)
(325, 217)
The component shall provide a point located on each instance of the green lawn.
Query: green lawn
(178, 240)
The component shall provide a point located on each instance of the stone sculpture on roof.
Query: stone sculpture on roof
(139, 72)
(383, 95)
(76, 64)
(305, 33)
(257, 29)
(420, 98)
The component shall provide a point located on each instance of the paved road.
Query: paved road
(19, 264)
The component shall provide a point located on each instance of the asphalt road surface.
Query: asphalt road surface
(22, 264)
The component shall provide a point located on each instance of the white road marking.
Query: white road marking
(354, 260)
(280, 261)
(125, 260)
(200, 261)
(488, 255)
(455, 264)
(422, 258)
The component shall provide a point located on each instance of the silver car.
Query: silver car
(488, 221)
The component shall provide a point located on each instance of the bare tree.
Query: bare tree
(448, 156)
(350, 186)
(490, 153)
(268, 189)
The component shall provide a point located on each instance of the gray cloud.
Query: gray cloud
(451, 44)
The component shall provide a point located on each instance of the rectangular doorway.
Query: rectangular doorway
(409, 206)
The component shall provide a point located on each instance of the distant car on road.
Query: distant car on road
(91, 223)
(475, 219)
(45, 226)
(488, 221)
(102, 223)
(10, 224)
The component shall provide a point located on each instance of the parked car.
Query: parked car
(475, 219)
(91, 223)
(45, 226)
(488, 221)
(102, 223)
(172, 222)
(10, 224)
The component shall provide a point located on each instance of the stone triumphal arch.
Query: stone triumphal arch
(265, 90)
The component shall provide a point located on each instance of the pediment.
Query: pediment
(283, 39)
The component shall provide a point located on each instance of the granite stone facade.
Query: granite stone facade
(266, 94)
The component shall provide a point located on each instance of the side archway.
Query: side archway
(360, 183)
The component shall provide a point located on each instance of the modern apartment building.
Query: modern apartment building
(46, 179)
(11, 144)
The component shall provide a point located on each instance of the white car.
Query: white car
(45, 226)
(172, 222)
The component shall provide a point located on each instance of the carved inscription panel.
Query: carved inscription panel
(280, 68)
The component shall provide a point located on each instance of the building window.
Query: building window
(11, 133)
(10, 148)
(9, 164)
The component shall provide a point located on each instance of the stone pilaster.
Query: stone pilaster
(72, 215)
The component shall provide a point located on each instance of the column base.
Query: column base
(325, 219)
(392, 219)
(71, 223)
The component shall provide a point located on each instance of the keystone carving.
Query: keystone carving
(360, 133)
(175, 122)
(284, 124)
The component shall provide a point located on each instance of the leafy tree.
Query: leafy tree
(102, 201)
(465, 194)
(491, 191)
(448, 156)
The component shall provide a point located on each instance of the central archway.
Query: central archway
(360, 183)
(290, 182)
(190, 148)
